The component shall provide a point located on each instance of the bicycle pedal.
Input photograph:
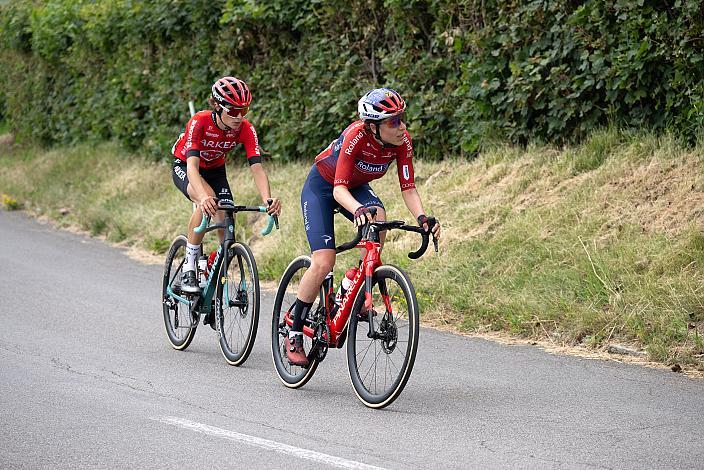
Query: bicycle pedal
(209, 319)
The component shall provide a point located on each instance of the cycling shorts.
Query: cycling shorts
(215, 177)
(318, 207)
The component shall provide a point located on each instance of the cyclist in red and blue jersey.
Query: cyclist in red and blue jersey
(340, 180)
(199, 162)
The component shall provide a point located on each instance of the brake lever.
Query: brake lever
(276, 217)
(431, 223)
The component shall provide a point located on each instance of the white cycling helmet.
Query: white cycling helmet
(380, 104)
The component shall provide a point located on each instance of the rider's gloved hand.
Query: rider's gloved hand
(209, 205)
(274, 208)
(423, 222)
(361, 216)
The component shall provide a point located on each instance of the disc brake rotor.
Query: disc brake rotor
(389, 332)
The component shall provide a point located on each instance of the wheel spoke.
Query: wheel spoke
(388, 356)
(365, 351)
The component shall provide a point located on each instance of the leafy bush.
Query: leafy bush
(472, 71)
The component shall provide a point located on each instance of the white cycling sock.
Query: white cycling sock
(292, 333)
(192, 254)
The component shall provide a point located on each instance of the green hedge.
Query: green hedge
(472, 71)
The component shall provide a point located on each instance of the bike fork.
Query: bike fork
(369, 306)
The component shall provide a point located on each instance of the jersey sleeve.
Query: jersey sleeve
(404, 164)
(250, 141)
(344, 169)
(194, 136)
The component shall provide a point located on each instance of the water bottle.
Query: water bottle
(345, 285)
(202, 271)
(211, 258)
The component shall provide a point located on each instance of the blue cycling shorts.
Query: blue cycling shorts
(318, 206)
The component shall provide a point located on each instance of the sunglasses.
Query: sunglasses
(395, 121)
(236, 112)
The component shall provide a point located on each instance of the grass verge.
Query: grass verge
(587, 245)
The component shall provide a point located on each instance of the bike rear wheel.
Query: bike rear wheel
(381, 365)
(291, 376)
(237, 304)
(178, 319)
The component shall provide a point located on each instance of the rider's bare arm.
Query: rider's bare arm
(412, 200)
(262, 182)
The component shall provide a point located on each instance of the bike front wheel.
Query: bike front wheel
(237, 304)
(291, 376)
(380, 354)
(180, 323)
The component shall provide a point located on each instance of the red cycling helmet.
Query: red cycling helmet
(231, 92)
(380, 104)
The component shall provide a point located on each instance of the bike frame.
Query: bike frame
(203, 302)
(204, 299)
(338, 323)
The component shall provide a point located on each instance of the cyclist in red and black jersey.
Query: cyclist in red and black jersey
(340, 179)
(199, 162)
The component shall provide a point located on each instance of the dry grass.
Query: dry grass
(576, 247)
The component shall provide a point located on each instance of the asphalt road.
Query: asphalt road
(88, 380)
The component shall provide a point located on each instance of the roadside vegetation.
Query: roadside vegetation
(591, 244)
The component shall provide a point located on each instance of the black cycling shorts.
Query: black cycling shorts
(215, 177)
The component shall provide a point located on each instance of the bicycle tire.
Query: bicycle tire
(241, 286)
(180, 324)
(291, 376)
(404, 322)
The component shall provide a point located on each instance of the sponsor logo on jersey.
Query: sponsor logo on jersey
(353, 142)
(407, 141)
(211, 134)
(366, 167)
(210, 155)
(191, 128)
(256, 140)
(326, 239)
(218, 144)
(406, 174)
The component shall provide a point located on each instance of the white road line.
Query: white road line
(267, 444)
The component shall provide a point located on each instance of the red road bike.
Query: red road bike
(378, 316)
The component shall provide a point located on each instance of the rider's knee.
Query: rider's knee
(321, 265)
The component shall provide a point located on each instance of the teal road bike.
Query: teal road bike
(229, 298)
